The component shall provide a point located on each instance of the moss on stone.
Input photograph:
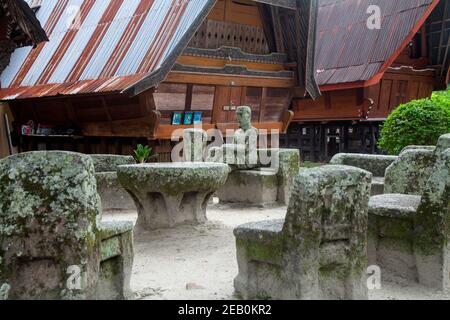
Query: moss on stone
(375, 164)
(324, 234)
(173, 179)
(35, 185)
(268, 251)
(410, 172)
(109, 163)
(395, 228)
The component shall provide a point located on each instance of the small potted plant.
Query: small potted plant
(142, 154)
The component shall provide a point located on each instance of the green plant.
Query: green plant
(142, 153)
(419, 122)
(442, 98)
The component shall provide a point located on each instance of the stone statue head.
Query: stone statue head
(244, 116)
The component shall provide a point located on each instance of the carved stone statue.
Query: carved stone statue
(243, 153)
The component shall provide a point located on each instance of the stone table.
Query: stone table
(170, 194)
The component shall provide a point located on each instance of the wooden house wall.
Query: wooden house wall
(400, 84)
(115, 123)
(395, 88)
(234, 24)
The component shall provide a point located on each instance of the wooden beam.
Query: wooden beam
(424, 45)
(262, 108)
(189, 92)
(165, 131)
(105, 108)
(287, 118)
(225, 80)
(221, 63)
(278, 32)
(267, 24)
(144, 127)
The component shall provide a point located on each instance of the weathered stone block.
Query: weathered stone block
(443, 144)
(254, 187)
(286, 162)
(170, 194)
(264, 186)
(110, 163)
(417, 248)
(376, 164)
(377, 186)
(319, 251)
(410, 172)
(49, 229)
(113, 196)
(194, 145)
(394, 205)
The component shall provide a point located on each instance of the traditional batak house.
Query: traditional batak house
(365, 72)
(18, 28)
(121, 72)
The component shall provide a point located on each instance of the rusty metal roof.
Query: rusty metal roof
(348, 51)
(102, 46)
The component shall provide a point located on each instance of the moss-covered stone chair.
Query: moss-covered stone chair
(409, 226)
(375, 164)
(113, 196)
(267, 185)
(52, 242)
(319, 251)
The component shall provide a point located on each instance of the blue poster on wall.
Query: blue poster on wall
(176, 120)
(188, 118)
(197, 118)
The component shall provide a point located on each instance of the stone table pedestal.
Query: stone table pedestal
(170, 194)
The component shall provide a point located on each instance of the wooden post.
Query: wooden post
(8, 134)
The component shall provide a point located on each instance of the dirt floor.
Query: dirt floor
(199, 262)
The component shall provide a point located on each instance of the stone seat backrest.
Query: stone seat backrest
(443, 144)
(411, 172)
(49, 208)
(328, 208)
(433, 216)
(110, 163)
(376, 164)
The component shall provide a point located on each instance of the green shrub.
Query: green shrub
(442, 98)
(419, 122)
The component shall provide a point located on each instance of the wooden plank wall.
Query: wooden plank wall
(396, 87)
(233, 24)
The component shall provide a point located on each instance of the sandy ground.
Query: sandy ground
(199, 262)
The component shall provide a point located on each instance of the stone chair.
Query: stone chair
(319, 251)
(113, 196)
(267, 185)
(376, 164)
(410, 172)
(53, 244)
(408, 227)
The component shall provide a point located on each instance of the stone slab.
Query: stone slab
(394, 205)
(170, 194)
(252, 187)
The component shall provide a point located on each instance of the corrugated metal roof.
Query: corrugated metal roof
(101, 46)
(348, 51)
